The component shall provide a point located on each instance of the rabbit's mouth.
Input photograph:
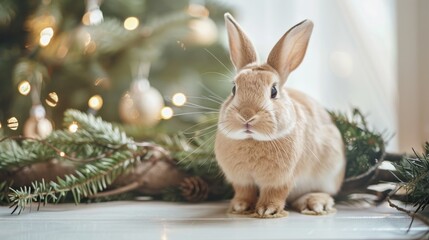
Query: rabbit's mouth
(247, 127)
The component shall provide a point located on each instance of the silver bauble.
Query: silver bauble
(141, 105)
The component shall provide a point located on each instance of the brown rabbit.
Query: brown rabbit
(276, 144)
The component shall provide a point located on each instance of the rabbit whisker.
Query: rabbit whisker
(208, 51)
(190, 113)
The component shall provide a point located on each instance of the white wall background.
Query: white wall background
(352, 56)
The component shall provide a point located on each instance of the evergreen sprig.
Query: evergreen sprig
(364, 147)
(100, 139)
(86, 181)
(95, 138)
(414, 175)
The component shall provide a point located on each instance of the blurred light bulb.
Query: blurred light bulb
(13, 123)
(0, 125)
(49, 32)
(45, 36)
(166, 112)
(73, 127)
(131, 23)
(95, 102)
(179, 99)
(24, 87)
(44, 41)
(62, 154)
(52, 99)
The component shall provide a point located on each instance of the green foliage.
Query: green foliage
(95, 138)
(102, 150)
(363, 147)
(78, 55)
(414, 175)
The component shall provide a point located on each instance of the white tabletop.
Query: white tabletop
(164, 220)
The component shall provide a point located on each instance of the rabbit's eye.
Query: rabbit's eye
(273, 92)
(233, 90)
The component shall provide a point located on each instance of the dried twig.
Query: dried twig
(413, 215)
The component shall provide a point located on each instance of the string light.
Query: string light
(24, 87)
(13, 123)
(166, 113)
(95, 102)
(73, 127)
(52, 99)
(45, 36)
(131, 23)
(179, 99)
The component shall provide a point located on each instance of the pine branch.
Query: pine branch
(118, 38)
(89, 178)
(104, 132)
(364, 148)
(14, 156)
(95, 139)
(414, 176)
(412, 214)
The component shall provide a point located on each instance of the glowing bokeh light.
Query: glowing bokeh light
(95, 102)
(166, 113)
(179, 99)
(131, 23)
(24, 87)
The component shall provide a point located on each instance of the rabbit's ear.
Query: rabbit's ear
(241, 49)
(289, 51)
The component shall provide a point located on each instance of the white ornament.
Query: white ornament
(142, 104)
(203, 31)
(37, 126)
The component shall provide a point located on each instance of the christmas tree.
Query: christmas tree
(122, 60)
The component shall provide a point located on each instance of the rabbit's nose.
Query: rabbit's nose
(247, 113)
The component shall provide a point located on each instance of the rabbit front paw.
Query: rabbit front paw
(239, 206)
(315, 204)
(270, 210)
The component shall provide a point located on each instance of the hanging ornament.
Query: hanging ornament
(142, 104)
(37, 126)
(203, 29)
(93, 15)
